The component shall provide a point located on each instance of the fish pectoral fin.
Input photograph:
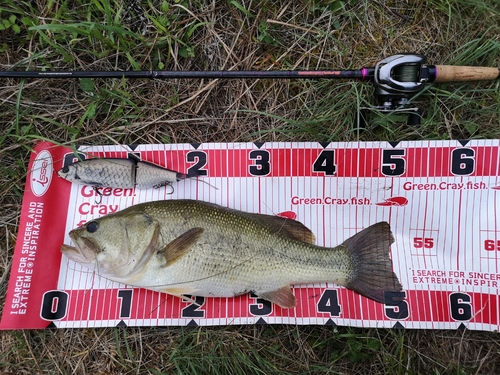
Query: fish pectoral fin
(282, 297)
(181, 245)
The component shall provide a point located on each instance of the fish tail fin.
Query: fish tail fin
(372, 275)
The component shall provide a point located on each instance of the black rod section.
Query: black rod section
(363, 74)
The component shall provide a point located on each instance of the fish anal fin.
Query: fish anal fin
(287, 227)
(372, 272)
(181, 245)
(282, 297)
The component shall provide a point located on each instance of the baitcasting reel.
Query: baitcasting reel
(397, 79)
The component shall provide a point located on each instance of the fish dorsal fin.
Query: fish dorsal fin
(287, 227)
(181, 245)
(282, 297)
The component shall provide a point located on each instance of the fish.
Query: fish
(191, 247)
(119, 173)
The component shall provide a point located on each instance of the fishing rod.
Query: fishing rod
(397, 78)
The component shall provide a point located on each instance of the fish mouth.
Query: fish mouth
(62, 172)
(84, 252)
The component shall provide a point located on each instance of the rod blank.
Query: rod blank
(366, 73)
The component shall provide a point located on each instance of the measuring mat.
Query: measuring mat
(441, 199)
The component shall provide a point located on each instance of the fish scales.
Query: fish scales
(235, 248)
(192, 247)
(150, 175)
(118, 173)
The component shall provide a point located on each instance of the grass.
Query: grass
(238, 34)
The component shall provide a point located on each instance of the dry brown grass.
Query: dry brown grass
(303, 36)
(222, 349)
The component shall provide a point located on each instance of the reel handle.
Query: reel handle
(451, 73)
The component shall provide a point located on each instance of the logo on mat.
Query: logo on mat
(41, 173)
(393, 201)
(288, 215)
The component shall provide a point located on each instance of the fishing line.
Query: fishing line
(202, 278)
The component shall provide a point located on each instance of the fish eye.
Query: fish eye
(65, 169)
(92, 226)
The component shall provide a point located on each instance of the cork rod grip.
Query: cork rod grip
(451, 73)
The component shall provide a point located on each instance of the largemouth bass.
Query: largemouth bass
(199, 248)
(119, 173)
